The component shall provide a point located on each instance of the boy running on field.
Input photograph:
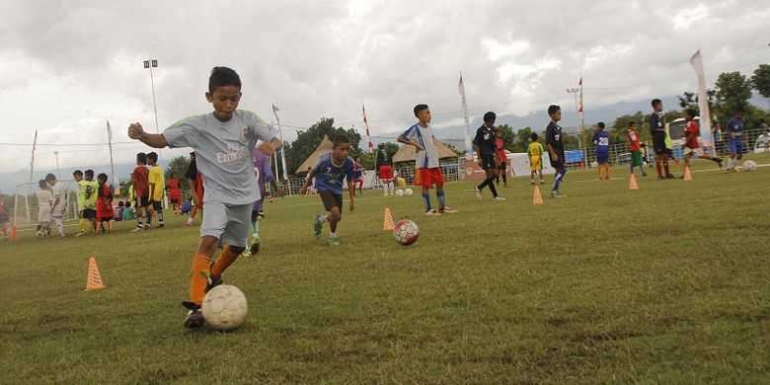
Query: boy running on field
(329, 174)
(553, 140)
(691, 145)
(485, 146)
(420, 136)
(223, 141)
(535, 152)
(635, 146)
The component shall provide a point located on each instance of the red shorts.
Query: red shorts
(386, 172)
(431, 176)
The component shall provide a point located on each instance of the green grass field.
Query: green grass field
(668, 284)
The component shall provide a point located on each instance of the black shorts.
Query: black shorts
(330, 200)
(558, 164)
(502, 166)
(142, 202)
(487, 161)
(659, 145)
(157, 205)
(89, 214)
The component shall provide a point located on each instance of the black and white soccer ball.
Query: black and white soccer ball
(224, 307)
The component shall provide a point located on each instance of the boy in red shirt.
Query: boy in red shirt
(501, 157)
(140, 181)
(635, 145)
(691, 146)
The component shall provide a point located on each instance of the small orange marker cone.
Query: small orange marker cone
(537, 196)
(13, 233)
(387, 223)
(687, 174)
(94, 280)
(632, 185)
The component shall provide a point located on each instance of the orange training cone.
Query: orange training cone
(537, 196)
(13, 233)
(387, 223)
(94, 280)
(632, 185)
(687, 174)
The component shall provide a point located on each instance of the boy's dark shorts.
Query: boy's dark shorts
(142, 201)
(157, 205)
(330, 200)
(89, 214)
(659, 145)
(487, 161)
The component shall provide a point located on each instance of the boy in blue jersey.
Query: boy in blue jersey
(329, 174)
(602, 145)
(735, 136)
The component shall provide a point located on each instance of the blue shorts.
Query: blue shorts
(602, 158)
(736, 146)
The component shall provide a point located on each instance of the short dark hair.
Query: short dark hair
(552, 109)
(153, 157)
(42, 183)
(121, 204)
(533, 137)
(50, 177)
(102, 175)
(223, 76)
(631, 124)
(77, 172)
(655, 101)
(419, 108)
(490, 117)
(89, 173)
(340, 138)
(128, 204)
(141, 158)
(601, 125)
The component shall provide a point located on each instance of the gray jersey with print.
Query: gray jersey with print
(223, 153)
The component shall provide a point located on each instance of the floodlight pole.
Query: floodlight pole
(150, 64)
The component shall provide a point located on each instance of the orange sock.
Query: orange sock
(198, 277)
(223, 262)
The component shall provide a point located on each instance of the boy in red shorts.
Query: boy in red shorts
(385, 170)
(421, 138)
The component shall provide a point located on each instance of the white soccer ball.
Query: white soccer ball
(406, 232)
(42, 233)
(399, 193)
(408, 192)
(224, 307)
(749, 165)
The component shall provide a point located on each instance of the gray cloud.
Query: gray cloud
(68, 66)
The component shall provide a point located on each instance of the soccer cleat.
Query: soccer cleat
(670, 176)
(194, 319)
(254, 250)
(433, 213)
(334, 241)
(80, 234)
(160, 226)
(477, 192)
(448, 210)
(317, 226)
(499, 199)
(557, 195)
(137, 229)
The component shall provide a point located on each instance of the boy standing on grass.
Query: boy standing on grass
(420, 136)
(635, 146)
(264, 175)
(691, 145)
(44, 203)
(329, 173)
(658, 131)
(139, 181)
(223, 141)
(59, 202)
(87, 190)
(485, 146)
(553, 140)
(535, 152)
(602, 145)
(735, 132)
(104, 211)
(501, 157)
(157, 186)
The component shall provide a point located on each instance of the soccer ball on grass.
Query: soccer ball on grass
(224, 307)
(408, 192)
(399, 193)
(749, 165)
(406, 232)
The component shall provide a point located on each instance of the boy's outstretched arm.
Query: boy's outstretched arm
(135, 131)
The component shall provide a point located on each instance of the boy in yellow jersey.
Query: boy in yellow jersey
(222, 141)
(535, 152)
(87, 189)
(157, 186)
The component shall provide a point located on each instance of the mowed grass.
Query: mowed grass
(668, 284)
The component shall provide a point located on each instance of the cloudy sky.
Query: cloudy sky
(68, 66)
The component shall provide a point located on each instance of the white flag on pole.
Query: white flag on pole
(703, 103)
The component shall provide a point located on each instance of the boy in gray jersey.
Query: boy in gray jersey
(222, 141)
